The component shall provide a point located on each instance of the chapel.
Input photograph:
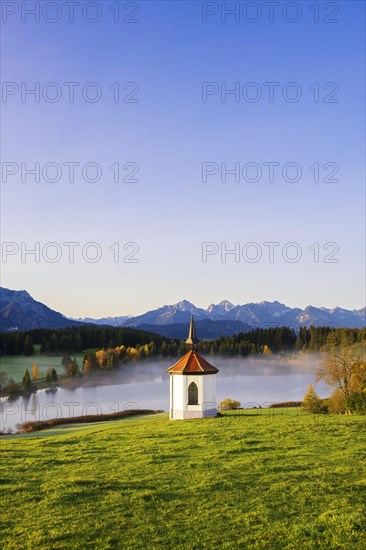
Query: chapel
(192, 383)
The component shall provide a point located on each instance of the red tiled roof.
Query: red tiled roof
(192, 363)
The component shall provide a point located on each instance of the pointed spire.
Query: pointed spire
(192, 338)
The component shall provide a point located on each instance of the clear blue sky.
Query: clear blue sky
(169, 133)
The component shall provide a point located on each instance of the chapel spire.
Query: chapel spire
(192, 338)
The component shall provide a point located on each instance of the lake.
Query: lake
(145, 385)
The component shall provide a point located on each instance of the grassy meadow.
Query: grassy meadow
(268, 480)
(16, 365)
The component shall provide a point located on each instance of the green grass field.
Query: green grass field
(280, 481)
(16, 365)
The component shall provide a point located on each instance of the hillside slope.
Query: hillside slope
(257, 481)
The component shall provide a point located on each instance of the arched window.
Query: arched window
(192, 394)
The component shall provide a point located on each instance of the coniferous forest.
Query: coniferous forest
(148, 344)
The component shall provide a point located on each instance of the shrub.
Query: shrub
(11, 386)
(357, 402)
(286, 404)
(325, 405)
(337, 402)
(229, 404)
(34, 426)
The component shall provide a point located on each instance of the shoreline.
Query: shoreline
(40, 425)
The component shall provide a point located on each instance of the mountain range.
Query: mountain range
(262, 314)
(19, 311)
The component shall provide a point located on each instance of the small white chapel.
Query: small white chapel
(192, 384)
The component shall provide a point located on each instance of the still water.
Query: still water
(146, 386)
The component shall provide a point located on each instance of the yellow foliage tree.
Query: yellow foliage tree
(312, 402)
(35, 373)
(117, 351)
(133, 353)
(87, 366)
(102, 357)
(343, 369)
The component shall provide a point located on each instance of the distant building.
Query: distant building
(192, 384)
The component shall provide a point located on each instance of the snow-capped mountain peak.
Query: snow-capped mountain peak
(220, 309)
(184, 305)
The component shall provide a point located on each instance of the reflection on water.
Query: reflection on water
(146, 386)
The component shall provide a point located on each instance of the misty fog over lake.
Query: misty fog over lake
(145, 385)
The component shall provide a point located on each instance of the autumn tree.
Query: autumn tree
(228, 403)
(87, 365)
(337, 402)
(72, 368)
(312, 402)
(102, 358)
(111, 360)
(357, 401)
(342, 368)
(133, 353)
(35, 373)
